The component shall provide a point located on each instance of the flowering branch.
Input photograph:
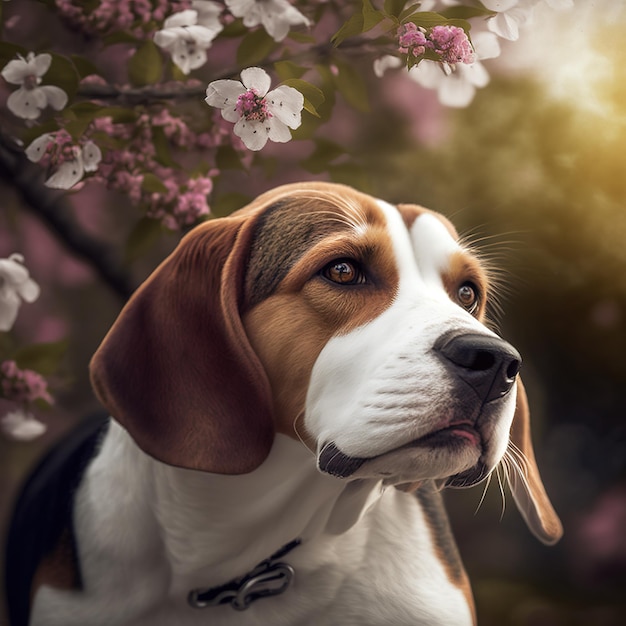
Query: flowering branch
(55, 212)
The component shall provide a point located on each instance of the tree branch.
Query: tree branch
(54, 210)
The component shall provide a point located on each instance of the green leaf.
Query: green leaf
(371, 16)
(351, 85)
(359, 23)
(394, 7)
(144, 235)
(288, 69)
(352, 28)
(77, 127)
(63, 74)
(234, 29)
(153, 184)
(313, 96)
(83, 66)
(43, 358)
(146, 65)
(162, 147)
(9, 52)
(254, 48)
(305, 38)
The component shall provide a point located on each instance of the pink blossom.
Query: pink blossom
(136, 16)
(23, 386)
(410, 37)
(452, 44)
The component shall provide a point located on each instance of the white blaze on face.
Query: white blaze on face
(382, 385)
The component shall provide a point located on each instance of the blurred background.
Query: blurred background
(533, 173)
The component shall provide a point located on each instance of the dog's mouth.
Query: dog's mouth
(454, 437)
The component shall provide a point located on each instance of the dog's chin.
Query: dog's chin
(455, 458)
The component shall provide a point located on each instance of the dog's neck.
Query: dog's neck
(218, 527)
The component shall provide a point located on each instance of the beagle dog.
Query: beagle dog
(290, 391)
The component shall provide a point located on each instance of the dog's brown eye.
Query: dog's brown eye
(344, 272)
(467, 296)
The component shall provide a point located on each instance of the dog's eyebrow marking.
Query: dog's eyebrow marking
(290, 227)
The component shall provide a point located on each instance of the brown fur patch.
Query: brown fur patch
(465, 267)
(446, 550)
(294, 310)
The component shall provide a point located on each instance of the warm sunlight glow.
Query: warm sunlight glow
(579, 55)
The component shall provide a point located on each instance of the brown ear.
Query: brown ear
(177, 370)
(524, 479)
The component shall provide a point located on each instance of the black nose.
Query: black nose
(488, 364)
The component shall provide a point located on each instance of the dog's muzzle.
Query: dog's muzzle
(487, 364)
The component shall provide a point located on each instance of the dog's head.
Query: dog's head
(332, 317)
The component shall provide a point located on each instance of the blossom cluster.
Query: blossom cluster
(31, 98)
(457, 71)
(176, 200)
(68, 160)
(449, 43)
(22, 386)
(134, 16)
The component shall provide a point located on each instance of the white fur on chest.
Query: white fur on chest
(149, 533)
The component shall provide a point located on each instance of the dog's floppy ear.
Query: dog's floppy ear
(524, 479)
(177, 370)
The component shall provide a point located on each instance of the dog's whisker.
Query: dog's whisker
(300, 437)
(502, 492)
(482, 497)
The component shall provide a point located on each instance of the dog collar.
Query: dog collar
(271, 577)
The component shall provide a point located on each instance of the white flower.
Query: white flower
(30, 99)
(189, 34)
(257, 114)
(22, 426)
(277, 16)
(15, 285)
(511, 16)
(386, 62)
(71, 171)
(457, 86)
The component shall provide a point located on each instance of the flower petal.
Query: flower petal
(278, 131)
(223, 94)
(427, 73)
(67, 175)
(286, 103)
(201, 35)
(208, 14)
(253, 134)
(16, 71)
(241, 8)
(182, 55)
(182, 18)
(92, 155)
(37, 148)
(55, 96)
(41, 63)
(9, 306)
(257, 79)
(29, 290)
(27, 103)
